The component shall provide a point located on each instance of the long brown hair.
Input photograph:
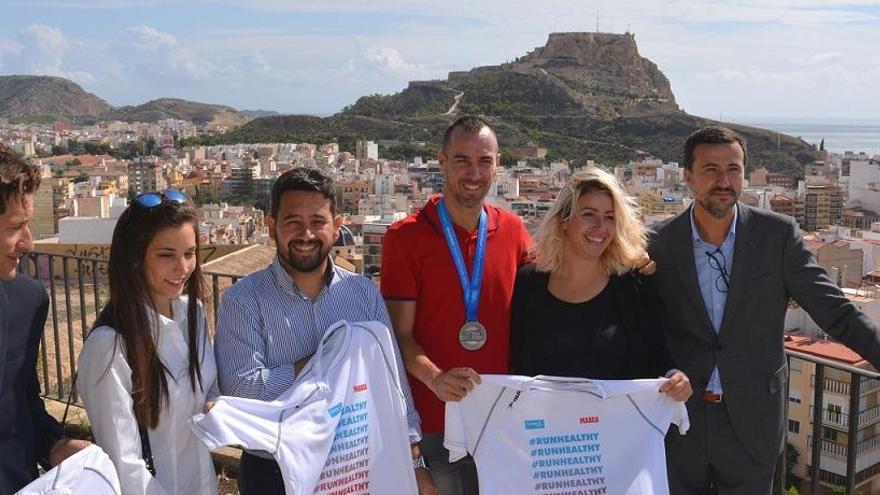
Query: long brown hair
(130, 296)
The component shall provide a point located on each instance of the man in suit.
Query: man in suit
(28, 434)
(725, 272)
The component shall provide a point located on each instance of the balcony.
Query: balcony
(77, 287)
(842, 387)
(840, 420)
(840, 449)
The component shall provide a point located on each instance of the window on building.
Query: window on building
(829, 434)
(794, 396)
(796, 365)
(794, 426)
(835, 413)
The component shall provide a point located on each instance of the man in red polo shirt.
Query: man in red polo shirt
(452, 318)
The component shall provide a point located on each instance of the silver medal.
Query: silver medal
(472, 335)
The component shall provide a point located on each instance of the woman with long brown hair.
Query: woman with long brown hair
(147, 366)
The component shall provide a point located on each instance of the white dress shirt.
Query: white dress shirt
(183, 463)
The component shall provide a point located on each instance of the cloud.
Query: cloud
(745, 56)
(152, 53)
(150, 38)
(260, 63)
(389, 59)
(84, 4)
(40, 50)
(754, 75)
(819, 59)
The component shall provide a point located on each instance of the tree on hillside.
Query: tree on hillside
(509, 158)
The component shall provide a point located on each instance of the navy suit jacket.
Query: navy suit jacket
(27, 431)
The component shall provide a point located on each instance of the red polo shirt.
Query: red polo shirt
(417, 266)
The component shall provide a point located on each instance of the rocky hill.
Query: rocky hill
(253, 114)
(172, 108)
(47, 97)
(35, 98)
(582, 96)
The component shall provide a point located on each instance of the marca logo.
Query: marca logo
(534, 424)
(589, 419)
(360, 387)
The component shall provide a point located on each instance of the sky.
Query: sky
(729, 59)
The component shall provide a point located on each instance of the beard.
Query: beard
(467, 199)
(718, 209)
(304, 263)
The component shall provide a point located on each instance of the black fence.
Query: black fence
(78, 288)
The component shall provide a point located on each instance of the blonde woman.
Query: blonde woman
(580, 310)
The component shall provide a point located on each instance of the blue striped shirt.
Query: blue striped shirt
(265, 325)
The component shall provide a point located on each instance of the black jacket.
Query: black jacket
(27, 431)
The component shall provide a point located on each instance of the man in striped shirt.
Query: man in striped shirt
(270, 322)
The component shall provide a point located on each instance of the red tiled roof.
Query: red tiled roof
(828, 349)
(84, 160)
(814, 245)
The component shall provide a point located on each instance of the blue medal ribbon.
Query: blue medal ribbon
(469, 286)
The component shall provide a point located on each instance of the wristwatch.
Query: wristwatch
(419, 462)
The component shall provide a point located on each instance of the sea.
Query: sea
(840, 135)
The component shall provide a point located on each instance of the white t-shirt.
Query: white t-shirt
(88, 471)
(341, 428)
(551, 436)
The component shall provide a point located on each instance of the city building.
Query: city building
(823, 206)
(145, 176)
(365, 150)
(373, 232)
(238, 185)
(350, 192)
(657, 204)
(43, 222)
(843, 262)
(786, 205)
(806, 338)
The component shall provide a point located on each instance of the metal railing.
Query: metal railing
(78, 288)
(838, 419)
(852, 420)
(842, 387)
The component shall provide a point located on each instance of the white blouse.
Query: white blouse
(183, 463)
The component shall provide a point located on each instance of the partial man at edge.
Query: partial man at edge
(28, 434)
(725, 272)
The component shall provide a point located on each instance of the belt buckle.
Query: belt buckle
(712, 397)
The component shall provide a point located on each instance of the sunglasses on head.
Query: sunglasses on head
(154, 199)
